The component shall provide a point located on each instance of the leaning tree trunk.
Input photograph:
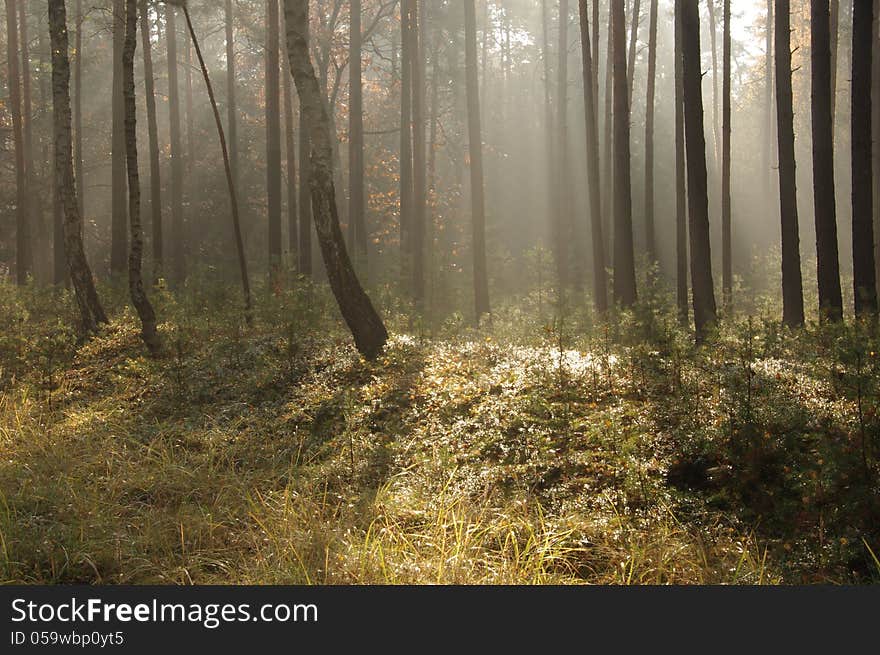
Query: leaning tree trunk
(153, 132)
(135, 254)
(828, 265)
(118, 229)
(698, 193)
(475, 149)
(23, 255)
(792, 282)
(233, 200)
(600, 281)
(624, 256)
(91, 311)
(864, 281)
(681, 217)
(366, 327)
(649, 135)
(726, 210)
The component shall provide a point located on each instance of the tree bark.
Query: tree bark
(698, 199)
(91, 311)
(119, 219)
(830, 298)
(864, 280)
(23, 254)
(649, 135)
(792, 283)
(357, 310)
(600, 281)
(178, 233)
(153, 133)
(875, 131)
(726, 209)
(135, 254)
(475, 149)
(233, 200)
(681, 213)
(624, 256)
(273, 142)
(834, 28)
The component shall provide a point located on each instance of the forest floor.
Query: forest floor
(520, 453)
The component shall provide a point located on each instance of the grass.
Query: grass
(523, 453)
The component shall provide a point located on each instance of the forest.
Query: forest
(440, 292)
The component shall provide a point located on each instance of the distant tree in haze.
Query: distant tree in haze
(273, 142)
(649, 135)
(864, 274)
(153, 133)
(792, 283)
(830, 298)
(90, 309)
(681, 215)
(698, 198)
(178, 266)
(119, 217)
(726, 209)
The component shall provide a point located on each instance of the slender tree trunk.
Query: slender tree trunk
(713, 35)
(649, 135)
(834, 28)
(357, 310)
(633, 47)
(681, 214)
(792, 283)
(231, 106)
(875, 132)
(420, 190)
(273, 142)
(356, 220)
(77, 110)
(292, 214)
(595, 57)
(178, 265)
(549, 128)
(830, 298)
(864, 280)
(91, 311)
(766, 163)
(35, 210)
(406, 156)
(600, 282)
(189, 113)
(726, 209)
(698, 193)
(233, 200)
(624, 256)
(608, 172)
(23, 254)
(119, 218)
(475, 148)
(153, 132)
(135, 255)
(564, 235)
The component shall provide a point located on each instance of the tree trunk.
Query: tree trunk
(792, 283)
(135, 254)
(698, 199)
(608, 168)
(77, 111)
(292, 213)
(357, 310)
(549, 129)
(23, 254)
(726, 209)
(766, 165)
(233, 200)
(830, 299)
(875, 131)
(475, 149)
(624, 257)
(649, 135)
(406, 157)
(681, 213)
(834, 29)
(595, 57)
(153, 132)
(356, 219)
(864, 280)
(91, 312)
(178, 265)
(119, 219)
(633, 47)
(713, 35)
(562, 187)
(35, 210)
(420, 189)
(273, 142)
(600, 282)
